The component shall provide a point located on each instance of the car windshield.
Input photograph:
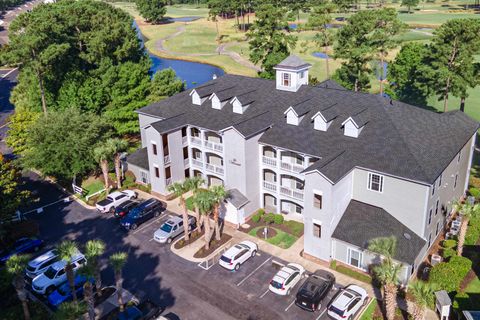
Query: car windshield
(336, 310)
(50, 273)
(276, 284)
(225, 259)
(166, 227)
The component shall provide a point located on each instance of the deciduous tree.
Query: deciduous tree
(319, 19)
(152, 10)
(409, 4)
(165, 84)
(11, 193)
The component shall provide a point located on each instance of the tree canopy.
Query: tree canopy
(165, 84)
(11, 194)
(152, 10)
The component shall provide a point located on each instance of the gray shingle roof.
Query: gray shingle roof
(237, 198)
(139, 158)
(397, 138)
(330, 84)
(362, 222)
(292, 62)
(170, 124)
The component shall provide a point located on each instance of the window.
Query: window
(436, 207)
(430, 216)
(317, 230)
(302, 74)
(154, 148)
(298, 209)
(375, 182)
(455, 182)
(429, 240)
(286, 79)
(298, 185)
(157, 172)
(354, 258)
(317, 201)
(459, 156)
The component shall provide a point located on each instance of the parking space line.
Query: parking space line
(321, 314)
(291, 304)
(263, 294)
(150, 240)
(145, 226)
(251, 273)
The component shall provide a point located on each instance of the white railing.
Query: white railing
(197, 163)
(269, 161)
(184, 140)
(293, 193)
(291, 167)
(269, 186)
(213, 146)
(214, 168)
(196, 141)
(166, 159)
(185, 162)
(169, 181)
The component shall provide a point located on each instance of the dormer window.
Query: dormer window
(238, 107)
(286, 79)
(216, 103)
(351, 129)
(292, 117)
(320, 123)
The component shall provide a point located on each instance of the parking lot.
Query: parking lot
(153, 271)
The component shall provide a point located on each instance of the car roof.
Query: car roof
(232, 251)
(345, 297)
(116, 194)
(62, 263)
(284, 273)
(173, 220)
(43, 257)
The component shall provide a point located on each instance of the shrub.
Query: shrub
(260, 212)
(256, 217)
(447, 253)
(333, 264)
(449, 244)
(354, 274)
(268, 218)
(278, 218)
(449, 275)
(473, 232)
(475, 192)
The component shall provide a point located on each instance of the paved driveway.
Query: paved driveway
(154, 271)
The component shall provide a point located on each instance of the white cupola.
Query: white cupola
(291, 74)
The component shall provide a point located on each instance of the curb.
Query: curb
(177, 251)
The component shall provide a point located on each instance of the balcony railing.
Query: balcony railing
(291, 167)
(293, 193)
(169, 181)
(197, 163)
(184, 140)
(186, 162)
(215, 169)
(166, 159)
(196, 141)
(215, 146)
(269, 161)
(271, 186)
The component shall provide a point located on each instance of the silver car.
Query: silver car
(172, 228)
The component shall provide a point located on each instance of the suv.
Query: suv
(314, 290)
(172, 228)
(237, 255)
(40, 264)
(141, 213)
(55, 275)
(285, 279)
(64, 292)
(22, 245)
(123, 209)
(115, 199)
(347, 303)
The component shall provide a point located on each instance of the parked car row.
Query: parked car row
(345, 305)
(21, 246)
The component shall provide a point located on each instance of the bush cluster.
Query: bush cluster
(447, 253)
(449, 244)
(449, 275)
(473, 232)
(267, 217)
(475, 192)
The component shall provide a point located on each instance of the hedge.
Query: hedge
(449, 275)
(351, 273)
(473, 231)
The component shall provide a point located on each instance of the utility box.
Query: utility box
(443, 304)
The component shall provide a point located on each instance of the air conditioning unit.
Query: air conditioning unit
(436, 259)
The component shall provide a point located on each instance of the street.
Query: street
(153, 271)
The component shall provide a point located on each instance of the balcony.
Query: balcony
(185, 162)
(269, 161)
(197, 163)
(196, 141)
(292, 167)
(215, 169)
(166, 159)
(292, 193)
(270, 186)
(215, 146)
(184, 140)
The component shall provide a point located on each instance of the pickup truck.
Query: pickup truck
(115, 199)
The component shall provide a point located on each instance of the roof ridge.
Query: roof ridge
(250, 118)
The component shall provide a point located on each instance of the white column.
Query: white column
(279, 179)
(189, 147)
(204, 154)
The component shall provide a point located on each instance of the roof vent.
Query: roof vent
(407, 235)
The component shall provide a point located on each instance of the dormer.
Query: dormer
(216, 102)
(351, 128)
(292, 117)
(238, 107)
(320, 122)
(242, 101)
(200, 94)
(291, 74)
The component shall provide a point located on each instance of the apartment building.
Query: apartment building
(351, 166)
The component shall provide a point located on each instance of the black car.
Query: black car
(314, 290)
(141, 213)
(123, 209)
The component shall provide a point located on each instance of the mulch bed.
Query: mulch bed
(260, 223)
(399, 314)
(194, 236)
(270, 233)
(214, 245)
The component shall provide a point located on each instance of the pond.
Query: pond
(193, 73)
(184, 19)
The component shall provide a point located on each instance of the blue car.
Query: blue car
(64, 293)
(22, 245)
(141, 213)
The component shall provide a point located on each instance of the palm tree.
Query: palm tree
(194, 184)
(423, 293)
(102, 154)
(66, 251)
(179, 189)
(16, 266)
(387, 272)
(117, 146)
(218, 194)
(94, 249)
(118, 260)
(204, 202)
(89, 272)
(467, 211)
(70, 311)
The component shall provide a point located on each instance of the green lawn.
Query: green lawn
(187, 10)
(472, 103)
(368, 313)
(474, 286)
(91, 187)
(281, 239)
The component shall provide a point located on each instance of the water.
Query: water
(320, 55)
(184, 19)
(193, 73)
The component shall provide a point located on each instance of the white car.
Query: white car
(40, 264)
(55, 275)
(115, 199)
(348, 302)
(285, 279)
(238, 254)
